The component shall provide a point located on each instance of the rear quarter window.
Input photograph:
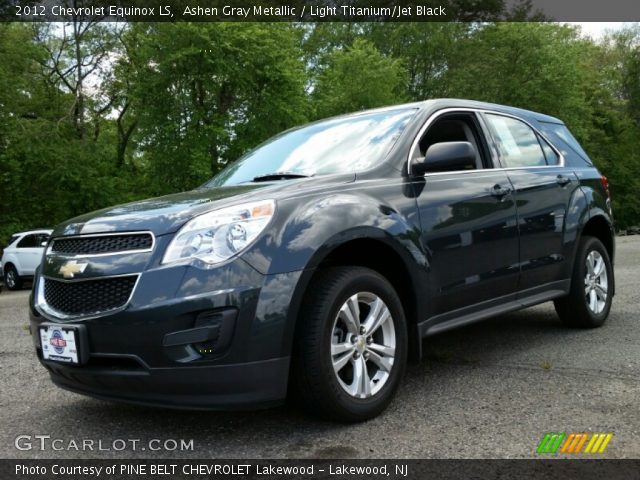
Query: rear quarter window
(557, 131)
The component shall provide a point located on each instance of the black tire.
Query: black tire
(315, 382)
(11, 278)
(574, 310)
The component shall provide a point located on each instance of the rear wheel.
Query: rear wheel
(11, 278)
(589, 300)
(351, 344)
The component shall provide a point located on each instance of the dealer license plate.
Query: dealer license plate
(59, 343)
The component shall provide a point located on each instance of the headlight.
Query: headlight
(219, 235)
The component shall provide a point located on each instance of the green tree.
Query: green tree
(626, 49)
(95, 114)
(49, 170)
(425, 50)
(614, 138)
(77, 62)
(22, 101)
(204, 93)
(538, 66)
(357, 78)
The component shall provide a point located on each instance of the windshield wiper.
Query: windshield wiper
(279, 176)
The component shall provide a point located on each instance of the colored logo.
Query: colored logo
(57, 341)
(69, 269)
(574, 443)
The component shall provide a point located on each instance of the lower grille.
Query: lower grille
(90, 296)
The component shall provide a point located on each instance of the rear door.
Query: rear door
(543, 189)
(469, 226)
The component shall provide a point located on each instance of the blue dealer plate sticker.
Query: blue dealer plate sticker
(59, 343)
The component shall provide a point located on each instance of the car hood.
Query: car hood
(167, 214)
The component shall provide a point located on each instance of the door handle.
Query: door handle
(562, 180)
(498, 191)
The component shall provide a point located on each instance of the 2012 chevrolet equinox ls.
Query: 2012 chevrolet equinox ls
(320, 260)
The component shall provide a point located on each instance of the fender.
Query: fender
(597, 202)
(598, 205)
(318, 227)
(577, 215)
(303, 234)
(12, 260)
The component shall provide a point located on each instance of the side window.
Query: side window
(517, 142)
(29, 241)
(456, 127)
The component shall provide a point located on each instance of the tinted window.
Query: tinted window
(337, 145)
(29, 241)
(562, 132)
(517, 142)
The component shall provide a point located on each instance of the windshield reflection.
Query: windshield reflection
(339, 145)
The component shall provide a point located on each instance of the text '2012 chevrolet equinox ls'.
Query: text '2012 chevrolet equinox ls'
(320, 260)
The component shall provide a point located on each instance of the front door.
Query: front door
(469, 225)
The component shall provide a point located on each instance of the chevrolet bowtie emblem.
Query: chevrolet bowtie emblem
(69, 269)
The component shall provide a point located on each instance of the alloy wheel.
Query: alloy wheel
(11, 279)
(363, 345)
(596, 282)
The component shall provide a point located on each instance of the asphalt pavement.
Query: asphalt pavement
(490, 390)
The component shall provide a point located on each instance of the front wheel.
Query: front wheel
(351, 344)
(591, 294)
(12, 279)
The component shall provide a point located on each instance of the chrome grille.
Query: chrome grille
(101, 244)
(89, 296)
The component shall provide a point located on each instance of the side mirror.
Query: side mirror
(445, 156)
(43, 244)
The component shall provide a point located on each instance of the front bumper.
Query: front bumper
(154, 352)
(245, 385)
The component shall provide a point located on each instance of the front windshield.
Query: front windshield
(338, 145)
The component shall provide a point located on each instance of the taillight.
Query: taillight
(605, 184)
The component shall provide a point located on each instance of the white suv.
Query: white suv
(22, 256)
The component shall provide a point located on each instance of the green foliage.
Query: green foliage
(425, 50)
(357, 78)
(626, 48)
(145, 109)
(613, 139)
(223, 87)
(538, 66)
(47, 172)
